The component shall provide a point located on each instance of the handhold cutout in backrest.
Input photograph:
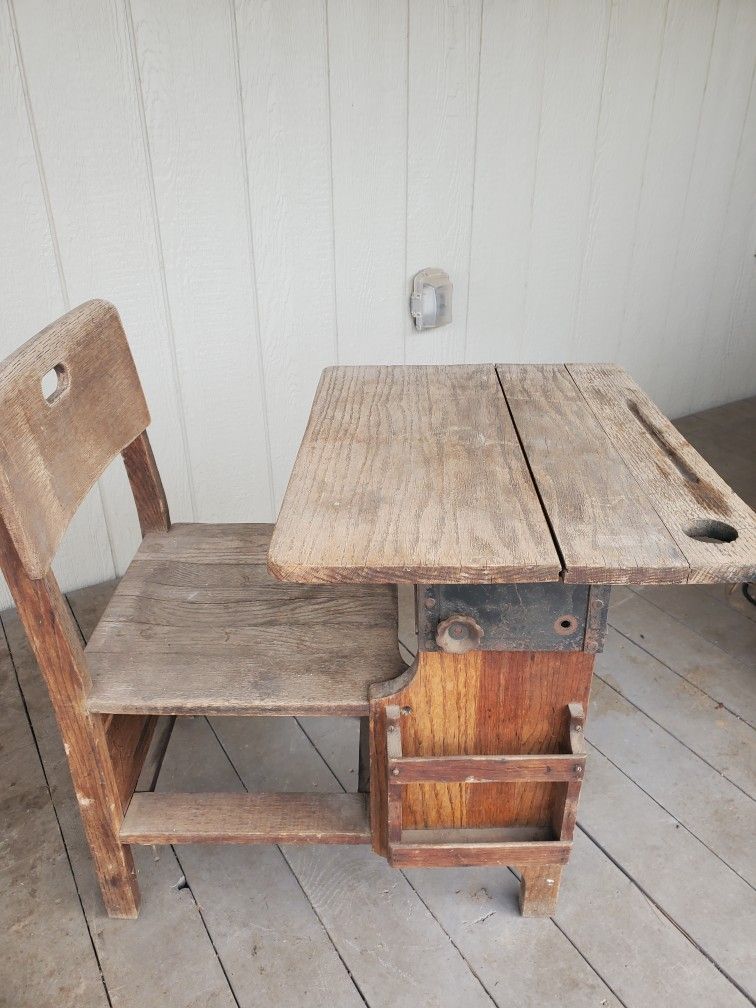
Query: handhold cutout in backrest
(70, 401)
(54, 383)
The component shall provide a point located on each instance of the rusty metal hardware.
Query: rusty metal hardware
(551, 616)
(458, 634)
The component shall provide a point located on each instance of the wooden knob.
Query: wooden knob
(458, 634)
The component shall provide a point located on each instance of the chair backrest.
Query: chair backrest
(55, 444)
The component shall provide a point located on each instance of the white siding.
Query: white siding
(254, 183)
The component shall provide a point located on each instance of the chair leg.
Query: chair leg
(101, 786)
(100, 804)
(539, 890)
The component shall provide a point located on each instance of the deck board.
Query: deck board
(263, 927)
(471, 904)
(694, 887)
(699, 722)
(379, 922)
(698, 796)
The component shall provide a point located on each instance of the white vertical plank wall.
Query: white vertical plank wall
(254, 183)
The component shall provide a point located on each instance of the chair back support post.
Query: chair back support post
(146, 485)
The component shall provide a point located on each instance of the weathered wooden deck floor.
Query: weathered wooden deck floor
(658, 906)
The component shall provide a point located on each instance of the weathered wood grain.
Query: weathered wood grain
(605, 525)
(452, 707)
(128, 740)
(53, 449)
(42, 925)
(539, 889)
(31, 292)
(693, 648)
(684, 490)
(431, 854)
(371, 913)
(55, 641)
(197, 625)
(656, 851)
(698, 796)
(290, 818)
(146, 485)
(611, 920)
(484, 769)
(153, 760)
(411, 474)
(698, 720)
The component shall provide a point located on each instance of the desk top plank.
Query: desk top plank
(604, 522)
(685, 491)
(411, 474)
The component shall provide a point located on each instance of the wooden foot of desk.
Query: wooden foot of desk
(539, 890)
(477, 758)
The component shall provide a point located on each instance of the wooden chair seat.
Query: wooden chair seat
(198, 626)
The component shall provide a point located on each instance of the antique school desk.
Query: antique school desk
(511, 497)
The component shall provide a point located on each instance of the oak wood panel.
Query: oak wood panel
(606, 527)
(54, 447)
(484, 769)
(482, 703)
(264, 817)
(410, 474)
(197, 625)
(683, 488)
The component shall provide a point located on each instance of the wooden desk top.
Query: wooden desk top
(506, 473)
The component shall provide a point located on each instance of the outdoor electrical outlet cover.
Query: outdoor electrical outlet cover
(431, 299)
